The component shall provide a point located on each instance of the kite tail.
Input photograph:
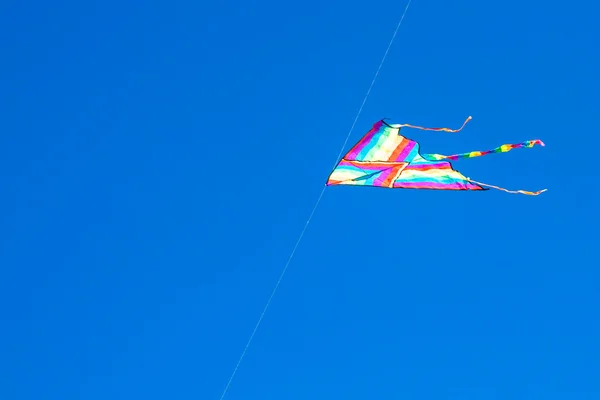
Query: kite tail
(509, 191)
(501, 149)
(437, 129)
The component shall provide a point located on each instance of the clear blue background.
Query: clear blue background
(159, 160)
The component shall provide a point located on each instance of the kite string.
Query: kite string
(372, 83)
(287, 264)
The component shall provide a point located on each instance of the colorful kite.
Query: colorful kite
(384, 158)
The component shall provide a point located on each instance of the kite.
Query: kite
(384, 158)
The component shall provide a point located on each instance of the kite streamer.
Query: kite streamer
(510, 191)
(501, 149)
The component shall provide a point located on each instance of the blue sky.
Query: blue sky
(161, 158)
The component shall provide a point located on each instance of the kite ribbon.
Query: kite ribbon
(501, 149)
(509, 191)
(437, 129)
